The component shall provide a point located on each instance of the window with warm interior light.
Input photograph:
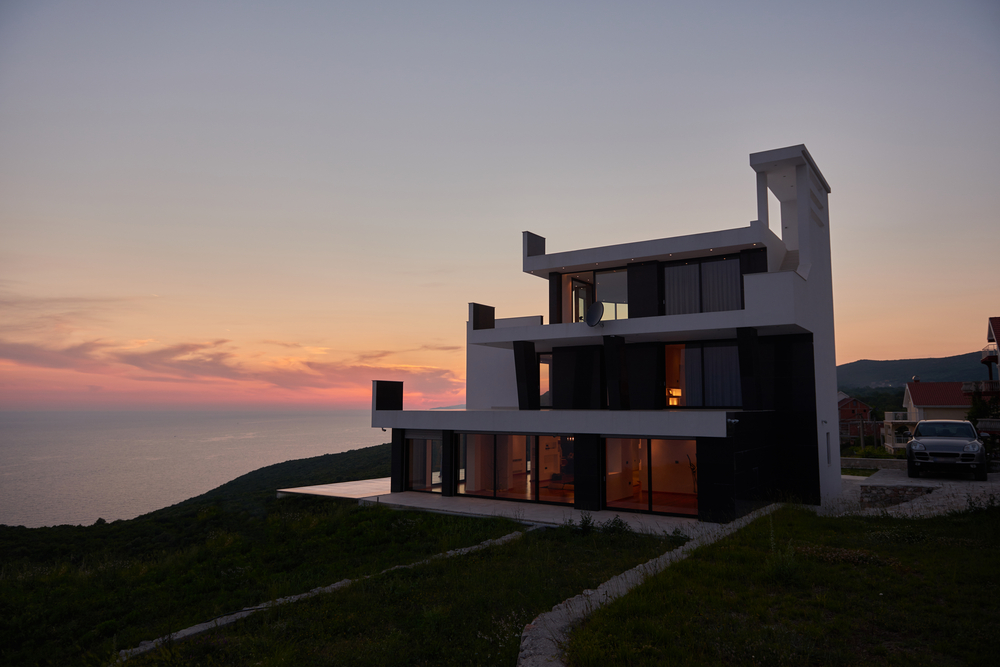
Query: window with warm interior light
(652, 475)
(424, 464)
(545, 379)
(556, 481)
(578, 295)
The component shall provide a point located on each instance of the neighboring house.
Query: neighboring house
(707, 388)
(989, 389)
(853, 413)
(924, 400)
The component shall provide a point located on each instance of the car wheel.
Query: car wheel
(911, 470)
(981, 473)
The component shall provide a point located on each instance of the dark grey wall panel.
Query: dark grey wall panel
(716, 480)
(750, 368)
(555, 298)
(588, 472)
(616, 371)
(449, 452)
(526, 373)
(645, 290)
(534, 244)
(646, 369)
(753, 261)
(483, 317)
(388, 395)
(397, 462)
(578, 381)
(795, 409)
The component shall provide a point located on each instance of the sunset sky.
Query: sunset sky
(250, 204)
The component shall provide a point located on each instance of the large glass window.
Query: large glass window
(555, 469)
(578, 294)
(683, 376)
(612, 291)
(720, 285)
(424, 464)
(681, 289)
(513, 466)
(722, 375)
(476, 464)
(545, 379)
(673, 472)
(702, 286)
(625, 474)
(651, 475)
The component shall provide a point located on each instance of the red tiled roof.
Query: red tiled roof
(941, 394)
(993, 330)
(848, 399)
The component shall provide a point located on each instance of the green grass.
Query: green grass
(800, 589)
(72, 594)
(468, 610)
(858, 472)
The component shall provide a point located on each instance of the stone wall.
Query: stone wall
(873, 464)
(885, 496)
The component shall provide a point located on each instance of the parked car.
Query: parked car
(944, 445)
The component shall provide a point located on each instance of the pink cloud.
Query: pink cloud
(219, 365)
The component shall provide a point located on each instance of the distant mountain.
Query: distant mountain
(896, 373)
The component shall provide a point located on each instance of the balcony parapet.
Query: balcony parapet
(985, 387)
(773, 303)
(989, 354)
(896, 416)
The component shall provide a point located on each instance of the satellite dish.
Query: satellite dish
(595, 314)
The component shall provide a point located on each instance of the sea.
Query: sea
(76, 467)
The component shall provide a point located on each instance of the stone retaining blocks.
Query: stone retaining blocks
(886, 496)
(873, 464)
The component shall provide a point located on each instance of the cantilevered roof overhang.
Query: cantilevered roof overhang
(626, 423)
(538, 263)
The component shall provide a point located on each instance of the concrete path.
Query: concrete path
(543, 638)
(227, 619)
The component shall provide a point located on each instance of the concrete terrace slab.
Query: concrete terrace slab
(535, 513)
(352, 490)
(376, 492)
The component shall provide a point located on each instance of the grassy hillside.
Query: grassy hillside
(73, 594)
(896, 373)
(799, 589)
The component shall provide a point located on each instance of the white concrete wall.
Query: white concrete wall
(623, 423)
(490, 380)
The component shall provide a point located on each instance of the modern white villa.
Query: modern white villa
(692, 375)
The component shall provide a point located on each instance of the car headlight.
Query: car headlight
(917, 446)
(972, 447)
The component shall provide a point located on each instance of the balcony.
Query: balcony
(985, 387)
(896, 416)
(989, 355)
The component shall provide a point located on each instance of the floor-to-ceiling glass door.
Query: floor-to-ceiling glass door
(424, 464)
(513, 467)
(673, 473)
(516, 467)
(556, 470)
(652, 475)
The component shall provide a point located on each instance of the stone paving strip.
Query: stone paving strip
(228, 619)
(543, 638)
